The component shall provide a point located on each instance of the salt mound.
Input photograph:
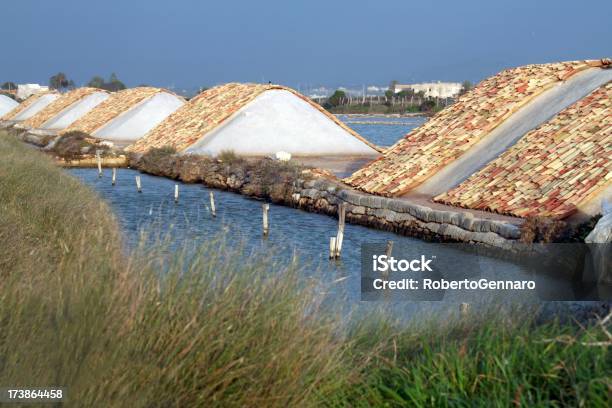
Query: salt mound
(6, 104)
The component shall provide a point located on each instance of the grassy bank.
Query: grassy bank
(75, 313)
(221, 327)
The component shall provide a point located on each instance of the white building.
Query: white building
(432, 89)
(26, 90)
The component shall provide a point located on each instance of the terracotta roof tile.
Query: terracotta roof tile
(552, 169)
(208, 110)
(58, 105)
(450, 133)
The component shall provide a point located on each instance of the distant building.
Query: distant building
(432, 89)
(26, 90)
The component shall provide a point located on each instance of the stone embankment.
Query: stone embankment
(317, 191)
(404, 217)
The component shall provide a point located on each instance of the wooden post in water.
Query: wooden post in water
(114, 180)
(99, 160)
(340, 235)
(213, 211)
(332, 247)
(465, 309)
(389, 249)
(176, 193)
(266, 227)
(138, 185)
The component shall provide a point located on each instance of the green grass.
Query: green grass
(213, 326)
(490, 361)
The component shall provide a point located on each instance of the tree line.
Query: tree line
(406, 97)
(61, 82)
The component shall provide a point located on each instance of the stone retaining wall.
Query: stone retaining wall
(311, 191)
(315, 192)
(402, 216)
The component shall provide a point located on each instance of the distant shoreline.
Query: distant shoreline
(386, 115)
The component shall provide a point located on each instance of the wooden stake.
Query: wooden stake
(465, 309)
(265, 208)
(213, 211)
(138, 185)
(389, 249)
(114, 176)
(176, 193)
(99, 160)
(332, 247)
(340, 235)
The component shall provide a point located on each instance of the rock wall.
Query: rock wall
(403, 217)
(311, 191)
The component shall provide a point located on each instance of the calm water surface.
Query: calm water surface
(382, 130)
(292, 232)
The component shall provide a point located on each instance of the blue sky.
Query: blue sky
(189, 43)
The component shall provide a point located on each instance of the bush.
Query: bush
(335, 99)
(229, 156)
(159, 153)
(542, 229)
(158, 161)
(75, 144)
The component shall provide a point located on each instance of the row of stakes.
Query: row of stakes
(213, 207)
(335, 243)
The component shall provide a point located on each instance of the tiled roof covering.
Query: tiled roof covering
(116, 104)
(446, 136)
(58, 105)
(208, 110)
(22, 106)
(552, 169)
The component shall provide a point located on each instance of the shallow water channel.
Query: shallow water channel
(239, 220)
